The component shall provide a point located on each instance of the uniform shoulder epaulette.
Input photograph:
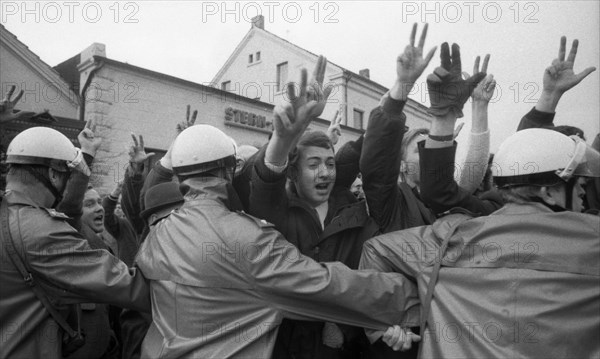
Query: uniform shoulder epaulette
(56, 214)
(262, 223)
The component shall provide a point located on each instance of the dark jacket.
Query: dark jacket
(392, 206)
(120, 228)
(440, 191)
(347, 226)
(131, 198)
(65, 266)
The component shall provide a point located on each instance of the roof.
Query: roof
(38, 65)
(418, 106)
(201, 87)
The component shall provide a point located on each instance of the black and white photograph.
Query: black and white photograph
(299, 179)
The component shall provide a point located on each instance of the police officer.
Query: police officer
(222, 281)
(60, 267)
(516, 282)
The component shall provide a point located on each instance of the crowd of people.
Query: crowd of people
(381, 249)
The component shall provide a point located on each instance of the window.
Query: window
(250, 58)
(226, 85)
(258, 56)
(358, 119)
(282, 72)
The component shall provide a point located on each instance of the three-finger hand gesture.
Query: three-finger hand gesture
(411, 63)
(7, 105)
(90, 143)
(448, 91)
(485, 89)
(334, 132)
(560, 77)
(189, 121)
(137, 152)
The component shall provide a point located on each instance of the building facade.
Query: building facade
(263, 63)
(123, 99)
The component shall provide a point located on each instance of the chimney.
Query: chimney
(259, 22)
(365, 73)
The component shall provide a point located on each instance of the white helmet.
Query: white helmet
(42, 146)
(200, 148)
(543, 157)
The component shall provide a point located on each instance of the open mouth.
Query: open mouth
(99, 219)
(322, 186)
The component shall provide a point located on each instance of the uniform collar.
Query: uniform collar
(16, 197)
(214, 188)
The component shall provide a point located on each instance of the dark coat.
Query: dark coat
(393, 207)
(347, 227)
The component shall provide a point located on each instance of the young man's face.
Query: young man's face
(93, 212)
(316, 174)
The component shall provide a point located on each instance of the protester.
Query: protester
(320, 216)
(448, 93)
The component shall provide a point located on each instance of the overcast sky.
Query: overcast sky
(192, 39)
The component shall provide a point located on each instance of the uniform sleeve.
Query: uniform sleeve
(380, 160)
(307, 290)
(59, 257)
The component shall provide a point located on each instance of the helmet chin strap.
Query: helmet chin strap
(46, 182)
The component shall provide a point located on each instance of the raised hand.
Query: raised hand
(410, 65)
(7, 105)
(88, 140)
(291, 119)
(311, 101)
(334, 132)
(448, 91)
(137, 153)
(560, 77)
(188, 121)
(485, 89)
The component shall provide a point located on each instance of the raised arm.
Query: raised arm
(7, 105)
(472, 167)
(448, 93)
(380, 157)
(72, 201)
(558, 78)
(133, 182)
(268, 198)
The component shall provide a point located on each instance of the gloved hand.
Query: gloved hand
(448, 91)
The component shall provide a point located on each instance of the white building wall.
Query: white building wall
(40, 93)
(152, 107)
